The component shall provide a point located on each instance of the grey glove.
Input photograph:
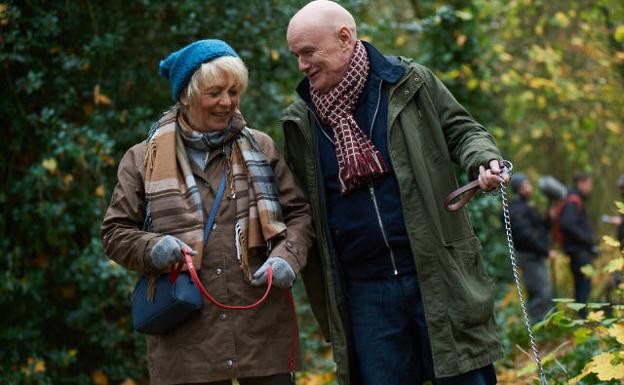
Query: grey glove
(283, 274)
(168, 250)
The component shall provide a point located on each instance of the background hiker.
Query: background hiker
(530, 232)
(578, 240)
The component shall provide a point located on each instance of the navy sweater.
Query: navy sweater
(367, 227)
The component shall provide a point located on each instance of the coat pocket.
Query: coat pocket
(470, 291)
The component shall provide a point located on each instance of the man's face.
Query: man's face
(526, 189)
(321, 56)
(586, 186)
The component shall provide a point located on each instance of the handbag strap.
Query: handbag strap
(176, 269)
(215, 208)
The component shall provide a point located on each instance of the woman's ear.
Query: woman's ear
(183, 99)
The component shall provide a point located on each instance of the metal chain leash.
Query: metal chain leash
(514, 266)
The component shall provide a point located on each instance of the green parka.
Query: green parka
(428, 132)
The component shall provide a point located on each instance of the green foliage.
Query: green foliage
(574, 350)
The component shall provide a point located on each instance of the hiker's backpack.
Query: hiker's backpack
(556, 230)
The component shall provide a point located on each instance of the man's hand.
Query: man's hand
(283, 274)
(489, 178)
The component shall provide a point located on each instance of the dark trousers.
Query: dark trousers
(277, 379)
(536, 283)
(582, 283)
(390, 335)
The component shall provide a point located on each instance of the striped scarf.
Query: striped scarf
(173, 200)
(358, 159)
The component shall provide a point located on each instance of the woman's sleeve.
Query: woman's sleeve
(123, 239)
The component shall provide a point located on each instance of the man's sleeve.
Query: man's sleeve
(469, 143)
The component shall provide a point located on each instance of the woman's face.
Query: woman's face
(215, 104)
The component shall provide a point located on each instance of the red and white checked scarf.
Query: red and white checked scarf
(358, 159)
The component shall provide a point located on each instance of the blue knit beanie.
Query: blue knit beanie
(181, 65)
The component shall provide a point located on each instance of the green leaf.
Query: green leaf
(576, 306)
(618, 35)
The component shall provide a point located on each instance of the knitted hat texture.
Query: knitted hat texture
(179, 66)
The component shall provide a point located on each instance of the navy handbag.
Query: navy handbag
(176, 297)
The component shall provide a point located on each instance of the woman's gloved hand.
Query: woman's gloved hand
(283, 274)
(168, 250)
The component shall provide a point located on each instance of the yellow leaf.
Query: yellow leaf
(610, 241)
(505, 57)
(99, 98)
(615, 265)
(72, 352)
(619, 33)
(577, 41)
(461, 40)
(3, 8)
(99, 378)
(400, 40)
(453, 74)
(366, 38)
(620, 206)
(617, 331)
(50, 165)
(588, 270)
(596, 316)
(99, 191)
(561, 19)
(539, 30)
(40, 366)
(472, 84)
(614, 127)
(68, 180)
(275, 55)
(128, 381)
(606, 371)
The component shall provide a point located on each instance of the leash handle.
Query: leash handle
(469, 190)
(202, 289)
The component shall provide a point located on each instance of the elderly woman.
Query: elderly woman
(165, 190)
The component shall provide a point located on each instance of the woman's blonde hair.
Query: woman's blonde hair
(208, 72)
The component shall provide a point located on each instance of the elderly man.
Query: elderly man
(397, 283)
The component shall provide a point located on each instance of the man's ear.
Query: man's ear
(345, 36)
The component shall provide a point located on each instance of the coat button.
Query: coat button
(229, 363)
(219, 271)
(417, 78)
(222, 316)
(214, 226)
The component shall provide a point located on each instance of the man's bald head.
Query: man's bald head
(322, 35)
(322, 14)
